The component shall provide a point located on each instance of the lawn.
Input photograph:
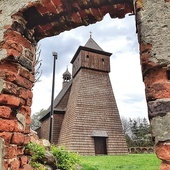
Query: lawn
(122, 162)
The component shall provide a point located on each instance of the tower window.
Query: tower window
(87, 56)
(103, 59)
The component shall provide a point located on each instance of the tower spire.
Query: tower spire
(66, 76)
(90, 34)
(92, 44)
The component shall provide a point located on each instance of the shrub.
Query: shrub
(37, 152)
(37, 166)
(66, 160)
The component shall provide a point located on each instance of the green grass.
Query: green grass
(122, 162)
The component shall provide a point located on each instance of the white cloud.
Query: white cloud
(113, 35)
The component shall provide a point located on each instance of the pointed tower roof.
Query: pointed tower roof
(66, 73)
(92, 44)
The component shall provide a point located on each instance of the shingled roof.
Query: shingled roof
(92, 44)
(57, 100)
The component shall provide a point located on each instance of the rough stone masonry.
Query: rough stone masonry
(25, 22)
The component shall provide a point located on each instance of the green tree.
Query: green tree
(138, 133)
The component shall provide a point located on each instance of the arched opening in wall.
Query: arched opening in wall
(117, 36)
(39, 19)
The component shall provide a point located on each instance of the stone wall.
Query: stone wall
(154, 37)
(2, 154)
(139, 150)
(24, 22)
(17, 59)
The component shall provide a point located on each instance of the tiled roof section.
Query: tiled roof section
(92, 44)
(58, 99)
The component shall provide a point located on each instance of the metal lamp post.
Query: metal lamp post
(52, 97)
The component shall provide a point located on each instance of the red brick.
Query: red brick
(10, 88)
(22, 92)
(165, 166)
(51, 7)
(30, 94)
(162, 150)
(25, 73)
(14, 45)
(76, 18)
(6, 136)
(15, 164)
(12, 52)
(42, 9)
(104, 10)
(127, 9)
(7, 125)
(8, 75)
(23, 102)
(157, 75)
(27, 139)
(5, 111)
(18, 138)
(145, 57)
(45, 1)
(25, 110)
(24, 160)
(145, 52)
(20, 150)
(26, 167)
(40, 30)
(9, 100)
(96, 13)
(29, 102)
(16, 37)
(47, 26)
(57, 2)
(13, 67)
(158, 91)
(10, 152)
(83, 14)
(23, 82)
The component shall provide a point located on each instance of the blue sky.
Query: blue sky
(117, 36)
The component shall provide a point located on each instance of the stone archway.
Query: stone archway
(25, 22)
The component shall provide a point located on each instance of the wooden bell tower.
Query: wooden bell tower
(91, 124)
(91, 56)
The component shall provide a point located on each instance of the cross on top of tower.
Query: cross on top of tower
(90, 34)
